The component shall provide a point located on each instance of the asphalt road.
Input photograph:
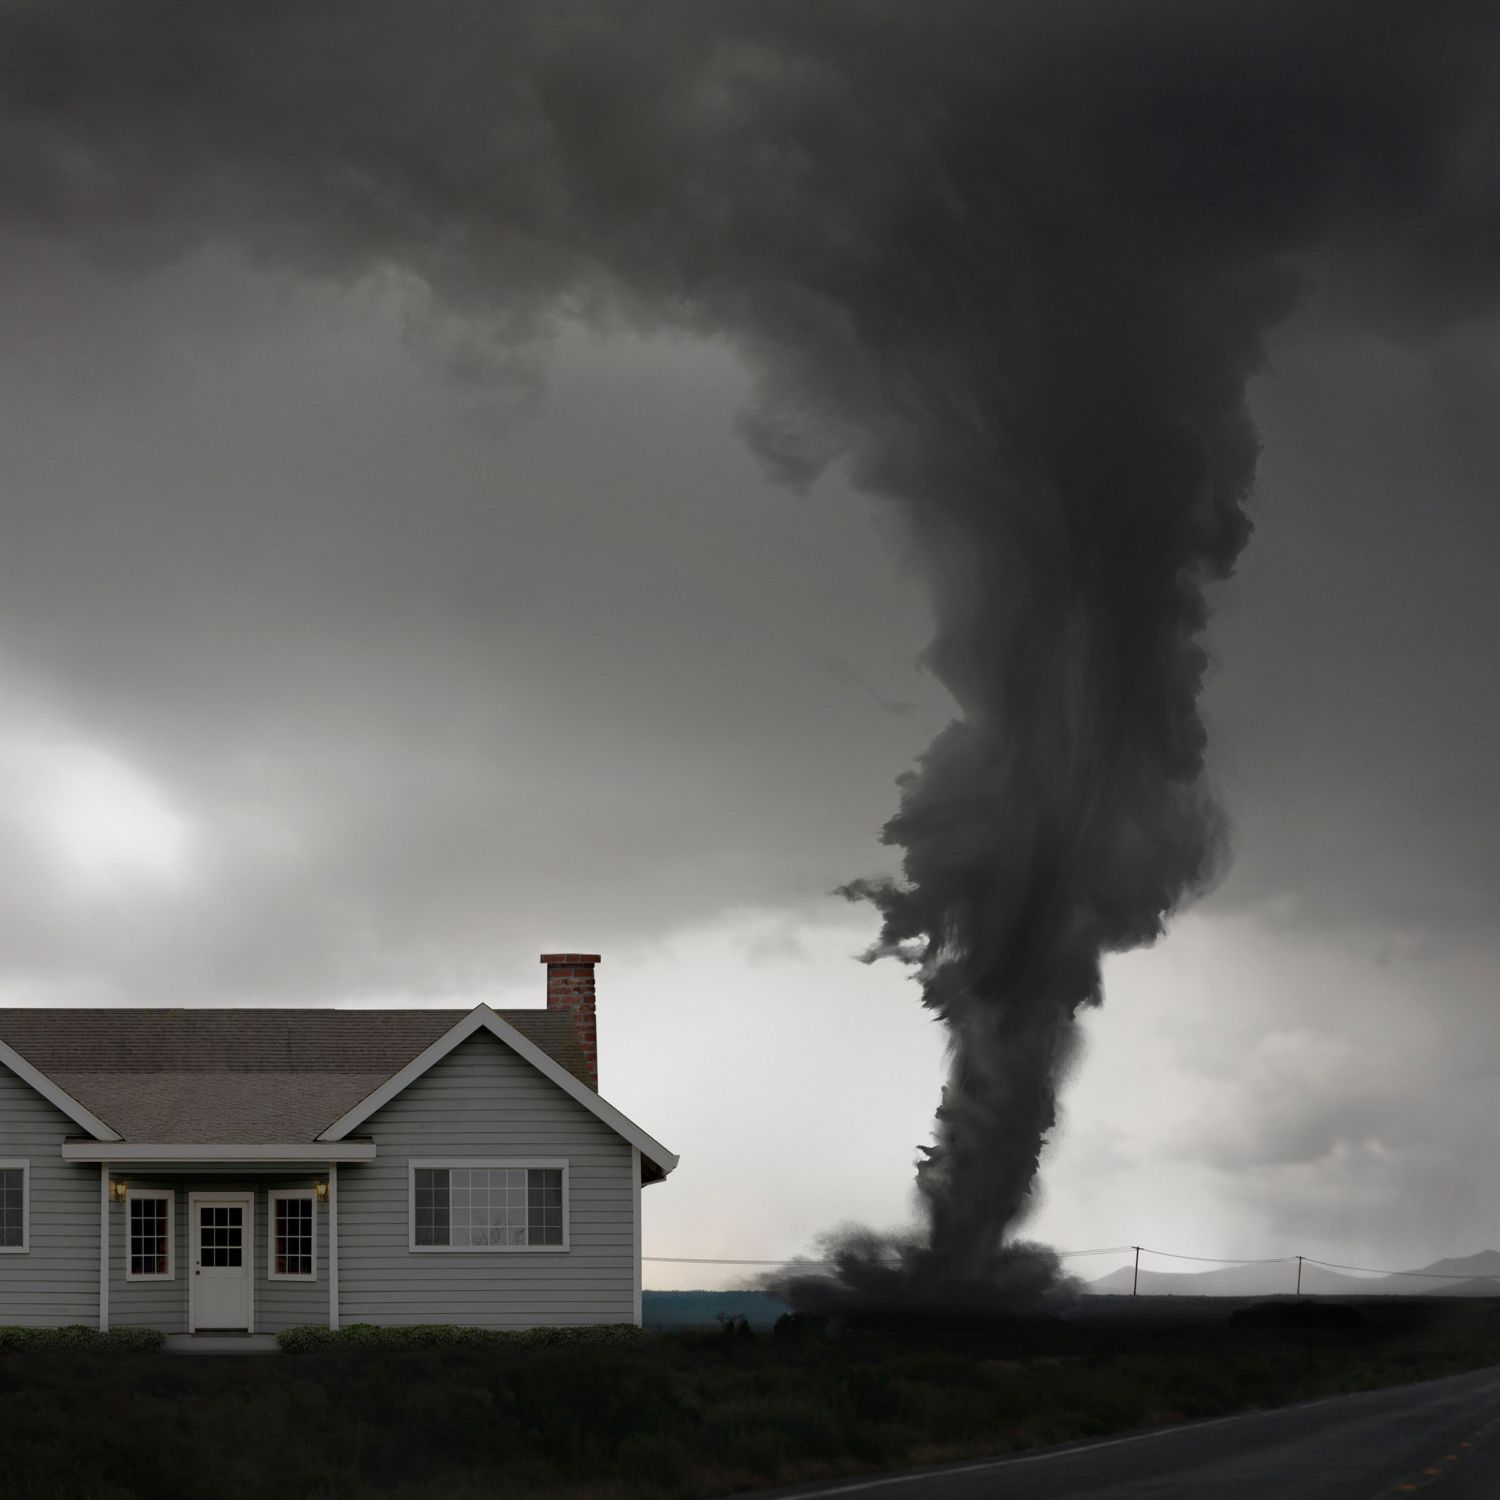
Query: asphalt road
(1439, 1439)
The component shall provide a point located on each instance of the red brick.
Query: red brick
(570, 987)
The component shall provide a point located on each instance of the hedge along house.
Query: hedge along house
(196, 1170)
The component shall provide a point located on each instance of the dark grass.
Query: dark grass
(676, 1415)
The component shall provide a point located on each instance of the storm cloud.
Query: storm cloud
(1009, 268)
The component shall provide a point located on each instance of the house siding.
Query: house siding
(57, 1280)
(155, 1303)
(483, 1100)
(164, 1304)
(289, 1304)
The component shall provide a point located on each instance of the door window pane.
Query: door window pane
(221, 1227)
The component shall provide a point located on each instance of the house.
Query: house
(259, 1169)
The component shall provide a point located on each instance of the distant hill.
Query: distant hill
(1485, 1286)
(708, 1309)
(1485, 1263)
(1280, 1278)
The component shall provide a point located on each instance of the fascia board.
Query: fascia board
(211, 1151)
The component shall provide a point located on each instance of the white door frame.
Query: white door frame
(247, 1199)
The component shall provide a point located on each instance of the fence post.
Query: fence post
(1135, 1280)
(1299, 1275)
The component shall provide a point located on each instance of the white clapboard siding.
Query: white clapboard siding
(484, 1101)
(57, 1280)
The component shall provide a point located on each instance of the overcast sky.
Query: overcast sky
(337, 667)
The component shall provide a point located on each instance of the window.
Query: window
(489, 1205)
(15, 1207)
(291, 1227)
(149, 1252)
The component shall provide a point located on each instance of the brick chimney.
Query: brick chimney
(570, 988)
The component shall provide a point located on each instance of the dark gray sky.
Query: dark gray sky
(342, 663)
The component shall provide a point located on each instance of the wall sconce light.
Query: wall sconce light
(321, 1189)
(118, 1188)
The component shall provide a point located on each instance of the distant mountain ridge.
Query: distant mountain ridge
(1485, 1263)
(1475, 1275)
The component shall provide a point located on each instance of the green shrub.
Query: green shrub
(451, 1335)
(302, 1340)
(735, 1333)
(81, 1336)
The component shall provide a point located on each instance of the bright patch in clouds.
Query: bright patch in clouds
(795, 1082)
(100, 821)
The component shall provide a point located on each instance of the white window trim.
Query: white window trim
(131, 1194)
(464, 1163)
(273, 1197)
(11, 1164)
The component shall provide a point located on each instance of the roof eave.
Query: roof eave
(211, 1151)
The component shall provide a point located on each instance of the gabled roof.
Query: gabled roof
(244, 1076)
(286, 1040)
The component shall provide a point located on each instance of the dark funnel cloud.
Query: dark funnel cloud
(1010, 265)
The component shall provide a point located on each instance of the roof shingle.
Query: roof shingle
(254, 1076)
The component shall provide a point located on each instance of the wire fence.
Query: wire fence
(1128, 1250)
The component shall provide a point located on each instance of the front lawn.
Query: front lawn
(672, 1415)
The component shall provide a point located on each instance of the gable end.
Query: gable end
(58, 1097)
(482, 1017)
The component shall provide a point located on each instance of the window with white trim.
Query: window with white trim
(489, 1205)
(15, 1206)
(149, 1219)
(292, 1226)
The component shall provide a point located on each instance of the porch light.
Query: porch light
(321, 1189)
(117, 1189)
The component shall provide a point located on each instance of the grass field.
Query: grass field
(684, 1414)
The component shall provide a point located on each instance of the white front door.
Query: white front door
(223, 1257)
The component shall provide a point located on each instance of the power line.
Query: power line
(1333, 1265)
(710, 1260)
(1219, 1260)
(1214, 1260)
